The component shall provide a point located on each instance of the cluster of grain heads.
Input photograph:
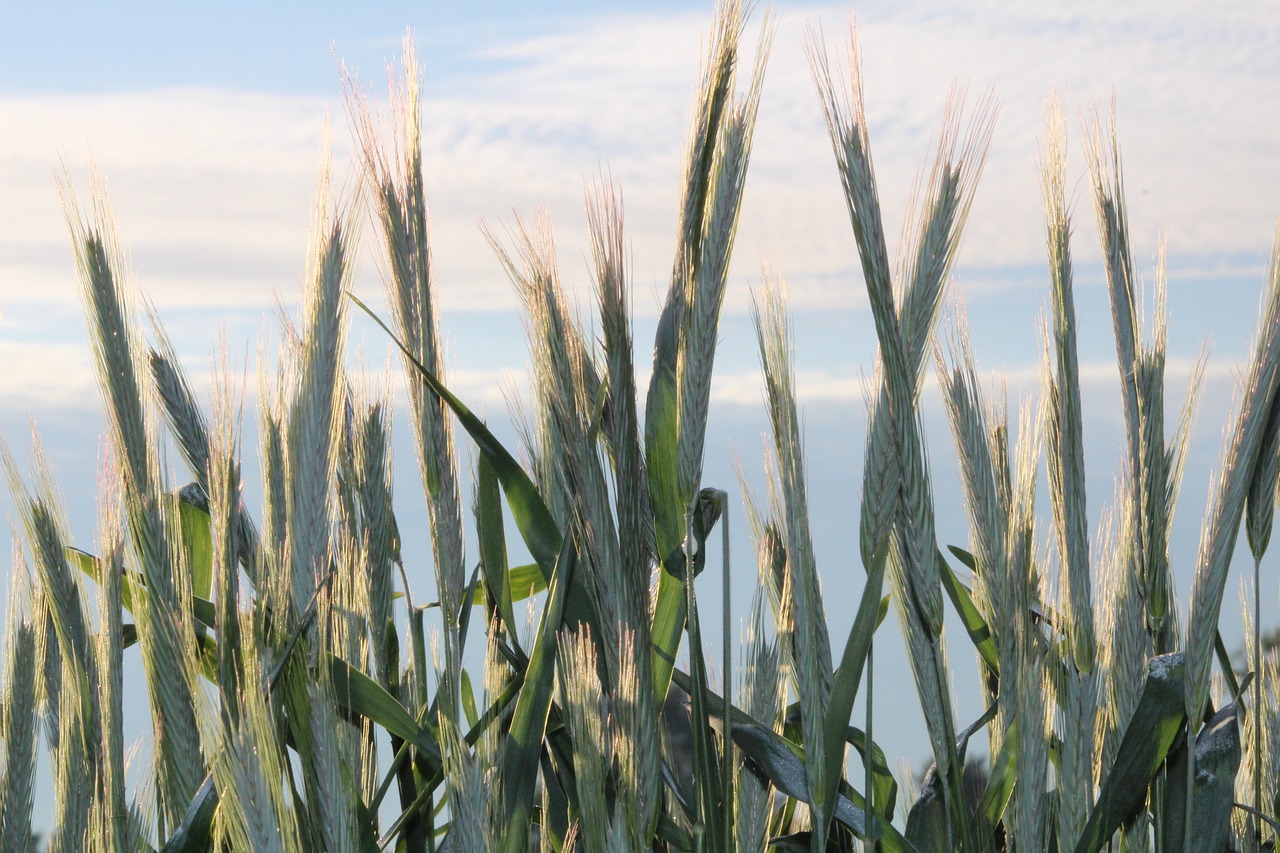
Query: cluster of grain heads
(276, 675)
(897, 519)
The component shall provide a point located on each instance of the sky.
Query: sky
(208, 123)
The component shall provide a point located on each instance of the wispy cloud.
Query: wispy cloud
(212, 188)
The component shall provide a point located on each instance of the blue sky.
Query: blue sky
(208, 126)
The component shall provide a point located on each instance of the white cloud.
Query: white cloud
(213, 188)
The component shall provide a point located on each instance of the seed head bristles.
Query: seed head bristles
(1030, 815)
(1218, 537)
(712, 97)
(850, 140)
(118, 351)
(1065, 430)
(767, 543)
(706, 281)
(928, 666)
(940, 220)
(633, 508)
(1258, 780)
(277, 579)
(971, 419)
(1103, 156)
(180, 408)
(1141, 372)
(167, 638)
(251, 762)
(1181, 438)
(537, 438)
(17, 783)
(904, 336)
(311, 426)
(1019, 585)
(1261, 500)
(323, 748)
(880, 477)
(638, 740)
(101, 264)
(1253, 787)
(568, 383)
(497, 675)
(393, 162)
(48, 662)
(635, 745)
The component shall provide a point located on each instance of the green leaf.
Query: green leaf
(523, 745)
(537, 527)
(1217, 760)
(884, 788)
(977, 628)
(493, 547)
(469, 700)
(194, 834)
(132, 584)
(844, 685)
(522, 583)
(783, 762)
(671, 606)
(927, 820)
(197, 541)
(1160, 714)
(709, 798)
(1000, 784)
(360, 694)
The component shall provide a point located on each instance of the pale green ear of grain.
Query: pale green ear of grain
(18, 713)
(1149, 465)
(569, 393)
(677, 400)
(392, 160)
(581, 699)
(1227, 506)
(904, 334)
(311, 426)
(112, 805)
(163, 613)
(189, 428)
(224, 498)
(810, 641)
(1064, 446)
(762, 695)
(72, 796)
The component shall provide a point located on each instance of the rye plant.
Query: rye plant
(310, 688)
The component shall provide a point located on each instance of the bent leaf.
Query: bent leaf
(1160, 713)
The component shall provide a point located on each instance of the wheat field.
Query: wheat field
(308, 688)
